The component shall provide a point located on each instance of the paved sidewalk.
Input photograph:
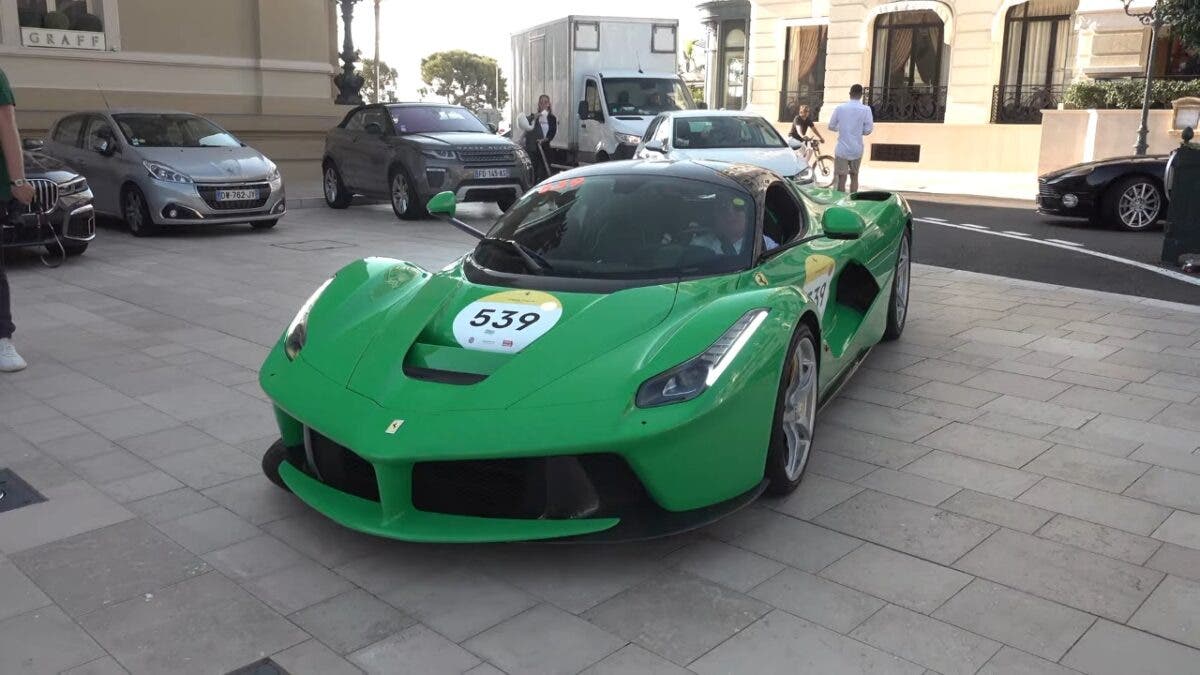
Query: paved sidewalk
(1012, 487)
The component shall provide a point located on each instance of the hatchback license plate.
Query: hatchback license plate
(236, 195)
(491, 173)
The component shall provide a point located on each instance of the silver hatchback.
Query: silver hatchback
(155, 169)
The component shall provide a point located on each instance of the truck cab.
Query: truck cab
(617, 106)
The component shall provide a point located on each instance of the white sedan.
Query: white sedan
(723, 135)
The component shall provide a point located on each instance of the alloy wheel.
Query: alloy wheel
(903, 273)
(133, 211)
(800, 407)
(1139, 206)
(399, 192)
(331, 184)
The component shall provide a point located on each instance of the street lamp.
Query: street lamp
(1153, 18)
(348, 82)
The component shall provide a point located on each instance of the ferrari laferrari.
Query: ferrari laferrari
(633, 349)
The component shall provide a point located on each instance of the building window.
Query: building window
(1034, 64)
(82, 15)
(803, 71)
(732, 88)
(908, 68)
(1176, 61)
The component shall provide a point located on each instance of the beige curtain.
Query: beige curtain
(806, 43)
(900, 50)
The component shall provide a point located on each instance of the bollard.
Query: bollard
(1183, 190)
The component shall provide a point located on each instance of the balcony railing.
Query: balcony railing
(906, 104)
(791, 100)
(1024, 104)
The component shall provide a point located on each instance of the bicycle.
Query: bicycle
(822, 165)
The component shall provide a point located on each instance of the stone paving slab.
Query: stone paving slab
(1011, 487)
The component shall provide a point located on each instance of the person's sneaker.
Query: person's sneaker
(10, 360)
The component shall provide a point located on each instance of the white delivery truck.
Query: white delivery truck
(607, 77)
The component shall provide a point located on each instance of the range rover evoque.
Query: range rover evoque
(408, 152)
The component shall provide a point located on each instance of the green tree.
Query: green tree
(464, 79)
(387, 82)
(1183, 16)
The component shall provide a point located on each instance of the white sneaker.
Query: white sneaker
(10, 360)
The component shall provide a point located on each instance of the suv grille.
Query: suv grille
(45, 195)
(1045, 190)
(209, 194)
(486, 154)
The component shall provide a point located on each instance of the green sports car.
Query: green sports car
(633, 349)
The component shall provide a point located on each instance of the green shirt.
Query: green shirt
(6, 98)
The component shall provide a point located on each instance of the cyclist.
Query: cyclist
(801, 126)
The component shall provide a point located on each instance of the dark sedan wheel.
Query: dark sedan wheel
(336, 194)
(137, 213)
(795, 415)
(405, 203)
(1134, 203)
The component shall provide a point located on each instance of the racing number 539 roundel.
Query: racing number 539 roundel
(506, 322)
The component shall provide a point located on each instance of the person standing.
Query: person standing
(539, 129)
(851, 120)
(12, 186)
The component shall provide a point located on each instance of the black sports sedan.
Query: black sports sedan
(1124, 192)
(61, 217)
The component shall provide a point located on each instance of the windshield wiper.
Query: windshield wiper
(536, 263)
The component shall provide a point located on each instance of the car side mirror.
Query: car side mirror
(655, 146)
(373, 128)
(583, 110)
(32, 144)
(840, 222)
(493, 128)
(795, 144)
(104, 147)
(701, 106)
(442, 204)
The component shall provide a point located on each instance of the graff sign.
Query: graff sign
(62, 39)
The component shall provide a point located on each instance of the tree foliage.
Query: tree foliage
(1183, 16)
(387, 82)
(464, 79)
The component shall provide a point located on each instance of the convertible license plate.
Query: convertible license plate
(491, 173)
(236, 195)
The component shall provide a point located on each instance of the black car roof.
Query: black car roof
(744, 177)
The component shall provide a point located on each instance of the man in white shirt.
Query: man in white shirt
(851, 120)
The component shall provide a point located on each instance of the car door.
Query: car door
(64, 139)
(102, 162)
(374, 150)
(347, 153)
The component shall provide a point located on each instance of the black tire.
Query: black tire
(1133, 204)
(902, 284)
(506, 203)
(272, 458)
(137, 212)
(823, 171)
(408, 208)
(264, 224)
(72, 249)
(781, 480)
(334, 189)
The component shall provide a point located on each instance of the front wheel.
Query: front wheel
(1134, 204)
(898, 305)
(795, 415)
(137, 213)
(336, 194)
(405, 204)
(823, 170)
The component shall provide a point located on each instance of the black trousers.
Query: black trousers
(6, 322)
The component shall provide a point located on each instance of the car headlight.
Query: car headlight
(438, 153)
(160, 171)
(72, 187)
(297, 331)
(273, 174)
(629, 138)
(692, 377)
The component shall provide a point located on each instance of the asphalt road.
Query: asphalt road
(1011, 239)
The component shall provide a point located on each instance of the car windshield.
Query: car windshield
(149, 130)
(623, 227)
(645, 95)
(721, 131)
(432, 119)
